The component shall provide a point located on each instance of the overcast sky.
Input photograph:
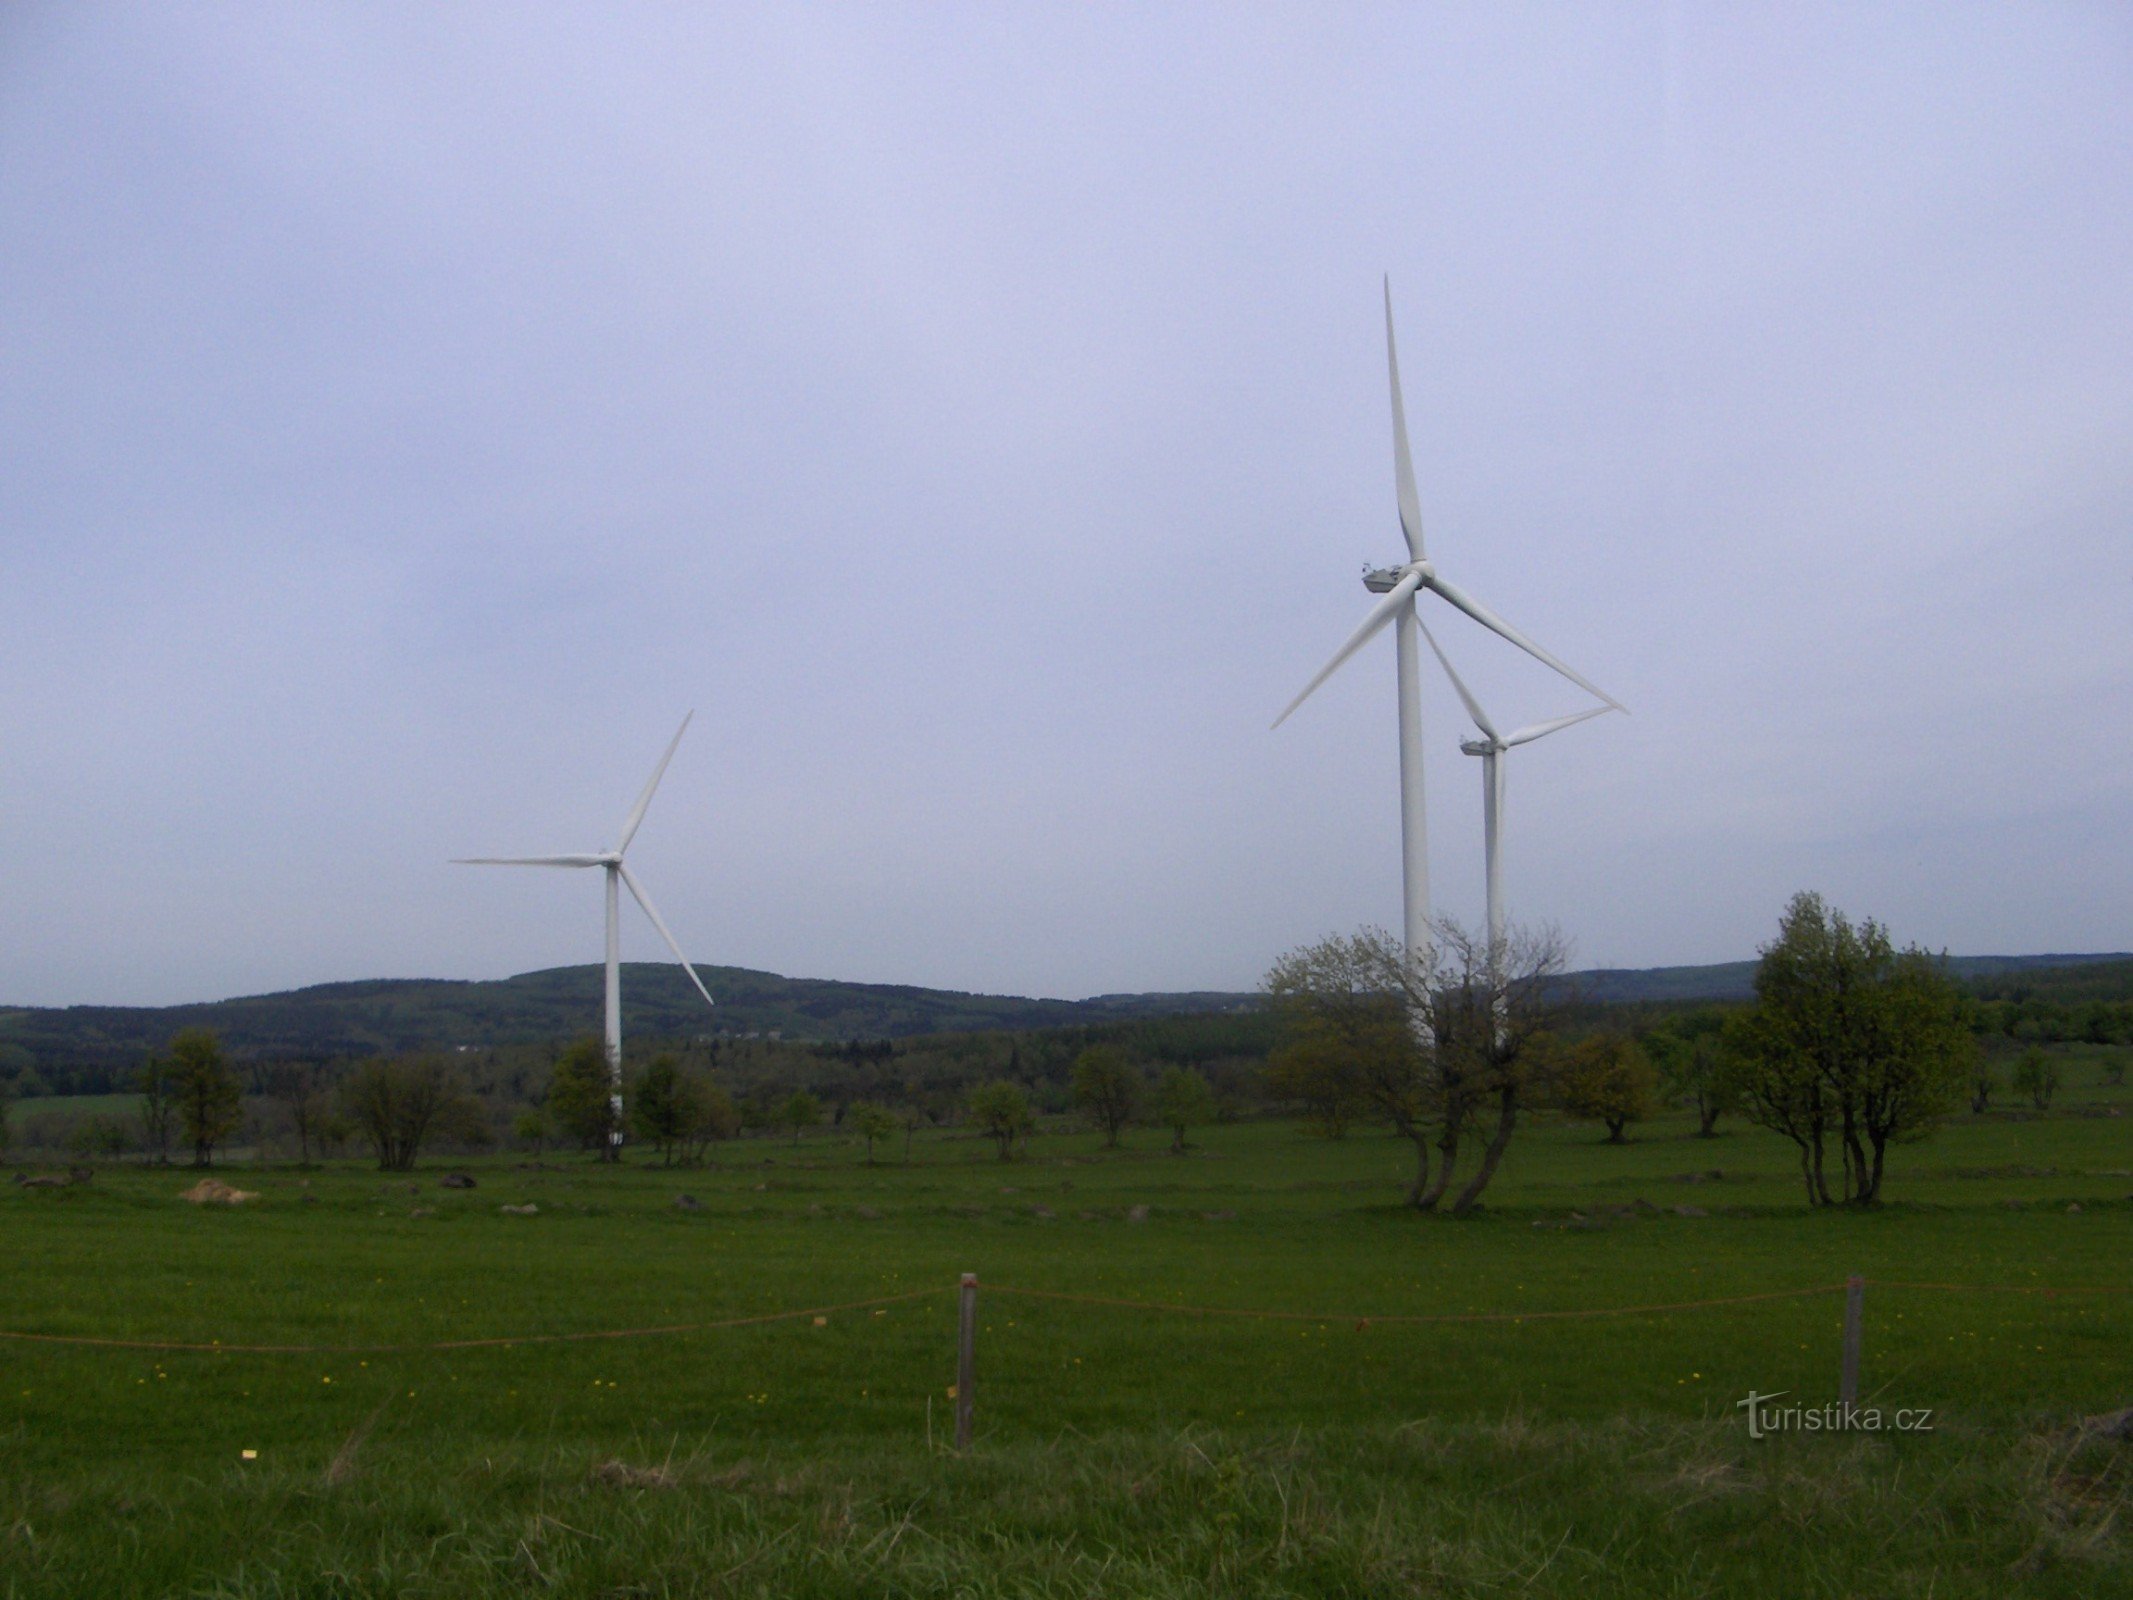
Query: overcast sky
(978, 416)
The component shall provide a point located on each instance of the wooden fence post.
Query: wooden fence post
(1854, 1320)
(966, 1362)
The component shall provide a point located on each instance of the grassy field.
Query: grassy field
(1120, 1451)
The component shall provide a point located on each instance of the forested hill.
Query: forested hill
(401, 1014)
(2103, 976)
(394, 1014)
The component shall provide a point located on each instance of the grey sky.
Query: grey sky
(978, 415)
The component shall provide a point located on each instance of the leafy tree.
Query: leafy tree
(1001, 1109)
(1690, 1055)
(802, 1110)
(1608, 1077)
(396, 1103)
(1850, 1042)
(533, 1128)
(1108, 1087)
(2037, 1076)
(666, 1106)
(159, 1110)
(205, 1093)
(1436, 1044)
(581, 1098)
(872, 1122)
(716, 1118)
(1317, 1075)
(98, 1135)
(1182, 1100)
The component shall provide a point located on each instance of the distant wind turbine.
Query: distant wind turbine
(1491, 747)
(617, 874)
(1401, 586)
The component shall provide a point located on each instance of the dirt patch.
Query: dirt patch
(214, 1192)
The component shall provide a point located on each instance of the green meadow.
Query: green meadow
(1120, 1450)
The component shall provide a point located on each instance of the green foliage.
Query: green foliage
(802, 1110)
(1182, 1101)
(581, 1097)
(1851, 1043)
(1002, 1113)
(2037, 1075)
(872, 1123)
(532, 1128)
(665, 1106)
(99, 1134)
(1607, 1077)
(1694, 1066)
(1108, 1087)
(208, 1099)
(1320, 1079)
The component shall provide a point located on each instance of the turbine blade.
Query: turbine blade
(645, 900)
(528, 861)
(1495, 624)
(636, 816)
(1527, 735)
(1473, 706)
(1403, 462)
(1380, 614)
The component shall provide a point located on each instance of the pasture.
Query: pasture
(1119, 1450)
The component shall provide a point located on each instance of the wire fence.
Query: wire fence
(1108, 1302)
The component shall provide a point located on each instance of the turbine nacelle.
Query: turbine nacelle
(1383, 580)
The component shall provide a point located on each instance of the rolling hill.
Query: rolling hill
(400, 1014)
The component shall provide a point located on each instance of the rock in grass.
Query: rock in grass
(1690, 1211)
(456, 1180)
(687, 1202)
(214, 1192)
(1137, 1214)
(866, 1213)
(526, 1210)
(1043, 1213)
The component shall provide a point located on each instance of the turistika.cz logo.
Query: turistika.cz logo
(1766, 1417)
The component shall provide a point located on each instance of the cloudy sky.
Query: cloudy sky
(978, 416)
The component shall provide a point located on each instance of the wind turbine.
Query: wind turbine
(618, 874)
(1402, 587)
(1491, 747)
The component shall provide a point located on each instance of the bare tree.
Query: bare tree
(300, 1089)
(159, 1108)
(1440, 1047)
(395, 1104)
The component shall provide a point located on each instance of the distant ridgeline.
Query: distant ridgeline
(78, 1049)
(93, 1049)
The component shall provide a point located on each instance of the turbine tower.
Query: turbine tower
(618, 875)
(1491, 747)
(1402, 587)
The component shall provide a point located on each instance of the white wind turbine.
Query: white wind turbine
(618, 874)
(1402, 586)
(1491, 747)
